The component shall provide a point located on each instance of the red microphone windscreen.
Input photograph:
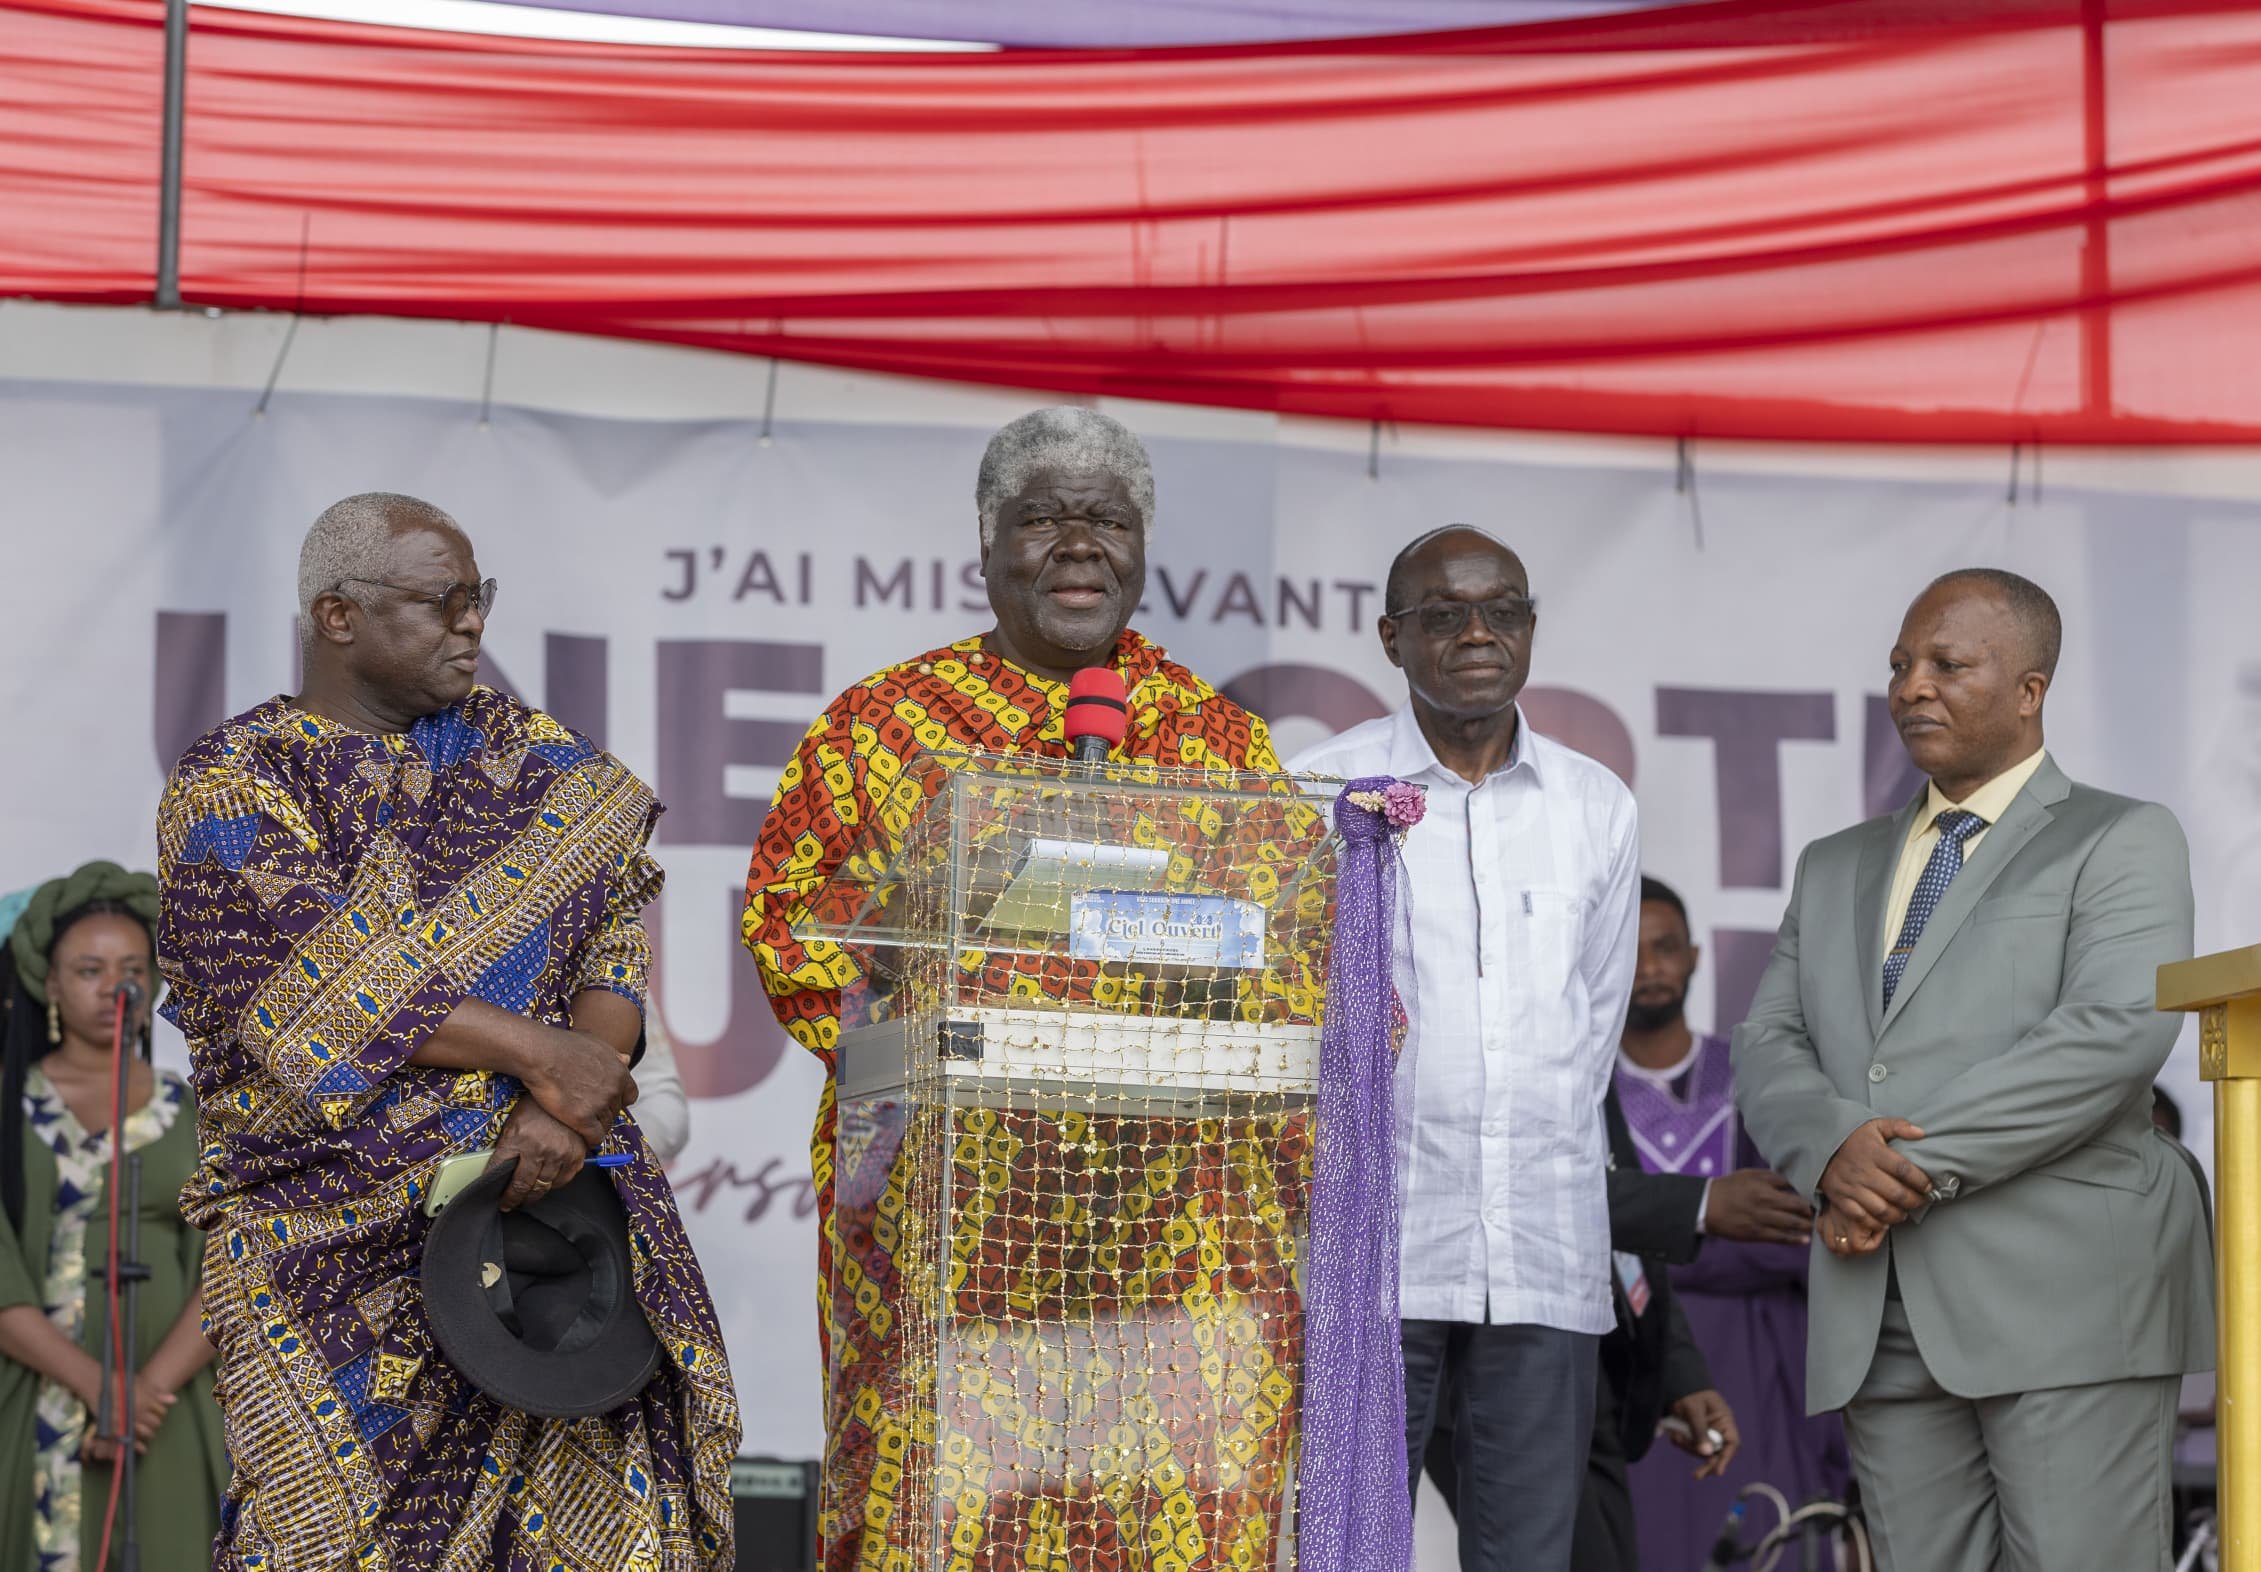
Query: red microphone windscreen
(1097, 705)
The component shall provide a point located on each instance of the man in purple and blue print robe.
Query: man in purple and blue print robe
(400, 923)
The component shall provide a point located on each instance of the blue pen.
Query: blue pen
(612, 1160)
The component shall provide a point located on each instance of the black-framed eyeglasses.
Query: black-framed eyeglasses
(1448, 619)
(453, 601)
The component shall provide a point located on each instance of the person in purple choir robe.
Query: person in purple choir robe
(1744, 1293)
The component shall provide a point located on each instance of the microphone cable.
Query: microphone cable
(1845, 1528)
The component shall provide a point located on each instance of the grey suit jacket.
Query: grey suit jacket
(2068, 1244)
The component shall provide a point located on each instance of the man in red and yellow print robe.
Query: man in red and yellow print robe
(1064, 499)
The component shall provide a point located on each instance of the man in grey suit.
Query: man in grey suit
(1952, 1052)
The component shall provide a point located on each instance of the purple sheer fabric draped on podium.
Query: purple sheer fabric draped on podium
(1352, 1510)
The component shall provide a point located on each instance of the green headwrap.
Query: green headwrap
(32, 941)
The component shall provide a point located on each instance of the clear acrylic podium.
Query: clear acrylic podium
(1078, 1056)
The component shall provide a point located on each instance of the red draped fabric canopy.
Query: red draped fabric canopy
(1869, 219)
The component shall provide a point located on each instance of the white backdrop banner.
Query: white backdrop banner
(691, 598)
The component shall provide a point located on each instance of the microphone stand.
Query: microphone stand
(1813, 1541)
(125, 1276)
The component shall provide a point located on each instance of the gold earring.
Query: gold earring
(54, 1022)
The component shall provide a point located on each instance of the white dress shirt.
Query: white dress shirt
(662, 1111)
(1524, 911)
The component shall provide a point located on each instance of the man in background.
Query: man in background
(1743, 1236)
(2166, 1114)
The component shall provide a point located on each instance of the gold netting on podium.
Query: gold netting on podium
(1079, 1051)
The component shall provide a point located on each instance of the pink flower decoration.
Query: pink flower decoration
(1404, 804)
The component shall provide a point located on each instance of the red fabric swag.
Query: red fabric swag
(1851, 221)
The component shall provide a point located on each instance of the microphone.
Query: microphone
(1098, 713)
(127, 999)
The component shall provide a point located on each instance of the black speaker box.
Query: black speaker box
(774, 1505)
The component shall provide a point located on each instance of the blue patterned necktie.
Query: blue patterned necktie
(1955, 827)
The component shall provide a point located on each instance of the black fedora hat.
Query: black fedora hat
(537, 1307)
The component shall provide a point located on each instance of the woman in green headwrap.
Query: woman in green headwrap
(75, 940)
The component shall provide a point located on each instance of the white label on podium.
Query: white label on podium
(1156, 929)
(1050, 872)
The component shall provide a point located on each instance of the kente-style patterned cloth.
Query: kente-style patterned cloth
(957, 699)
(329, 897)
(1746, 1306)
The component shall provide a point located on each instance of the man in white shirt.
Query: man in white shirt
(1525, 876)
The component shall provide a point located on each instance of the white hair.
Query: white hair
(353, 539)
(1065, 436)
